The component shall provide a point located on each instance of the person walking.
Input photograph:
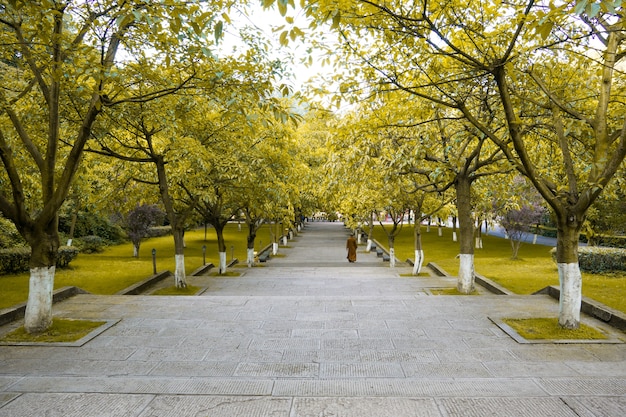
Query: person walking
(351, 247)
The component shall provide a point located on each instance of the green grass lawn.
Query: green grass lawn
(115, 268)
(533, 270)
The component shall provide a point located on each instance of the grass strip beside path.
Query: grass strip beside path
(116, 269)
(533, 271)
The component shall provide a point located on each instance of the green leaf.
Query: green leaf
(218, 31)
(580, 7)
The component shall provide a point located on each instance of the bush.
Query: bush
(17, 260)
(90, 244)
(598, 260)
(159, 231)
(66, 255)
(9, 236)
(14, 260)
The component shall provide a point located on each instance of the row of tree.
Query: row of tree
(111, 104)
(454, 92)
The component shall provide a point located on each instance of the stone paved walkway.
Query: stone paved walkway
(310, 334)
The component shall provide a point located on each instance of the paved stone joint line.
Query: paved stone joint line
(310, 334)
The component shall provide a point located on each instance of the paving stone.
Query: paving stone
(325, 333)
(512, 369)
(299, 343)
(361, 370)
(445, 370)
(430, 387)
(408, 356)
(322, 356)
(584, 386)
(192, 406)
(285, 370)
(182, 353)
(143, 385)
(510, 407)
(597, 406)
(364, 407)
(194, 368)
(357, 344)
(75, 405)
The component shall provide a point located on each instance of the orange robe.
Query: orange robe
(351, 245)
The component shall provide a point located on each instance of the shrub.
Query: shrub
(17, 260)
(90, 244)
(159, 231)
(66, 255)
(14, 260)
(9, 236)
(597, 259)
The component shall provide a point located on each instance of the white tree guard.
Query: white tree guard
(250, 257)
(570, 282)
(222, 268)
(180, 277)
(465, 283)
(38, 315)
(419, 260)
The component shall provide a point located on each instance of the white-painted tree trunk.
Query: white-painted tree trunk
(69, 242)
(428, 228)
(440, 231)
(274, 248)
(358, 238)
(419, 260)
(479, 243)
(368, 247)
(38, 315)
(222, 268)
(570, 282)
(250, 257)
(535, 239)
(180, 278)
(135, 251)
(454, 239)
(285, 240)
(465, 283)
(392, 258)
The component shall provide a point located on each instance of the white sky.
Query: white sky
(268, 19)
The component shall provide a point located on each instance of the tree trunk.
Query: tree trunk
(417, 245)
(465, 283)
(221, 246)
(370, 231)
(252, 229)
(180, 277)
(136, 250)
(392, 251)
(570, 278)
(44, 250)
(454, 238)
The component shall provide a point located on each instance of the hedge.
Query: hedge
(17, 260)
(599, 259)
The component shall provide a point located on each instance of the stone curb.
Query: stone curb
(593, 308)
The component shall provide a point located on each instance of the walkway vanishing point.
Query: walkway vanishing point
(310, 334)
